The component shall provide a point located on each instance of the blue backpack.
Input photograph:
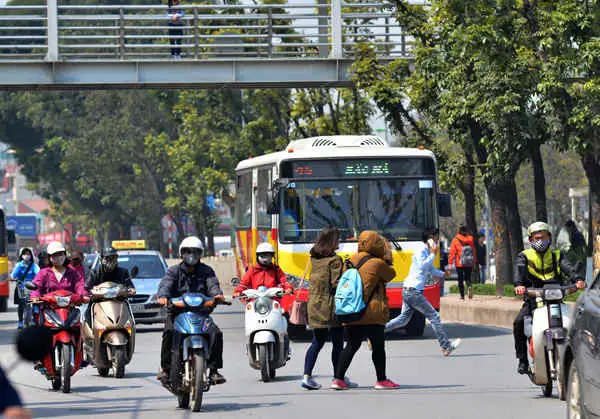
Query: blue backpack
(349, 303)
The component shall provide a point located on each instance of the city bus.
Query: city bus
(4, 276)
(354, 183)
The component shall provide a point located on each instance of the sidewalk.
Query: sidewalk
(482, 309)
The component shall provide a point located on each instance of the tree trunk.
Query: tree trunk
(514, 220)
(503, 255)
(539, 182)
(591, 165)
(469, 193)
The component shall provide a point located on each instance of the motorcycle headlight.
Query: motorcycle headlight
(111, 292)
(262, 306)
(63, 301)
(193, 300)
(553, 294)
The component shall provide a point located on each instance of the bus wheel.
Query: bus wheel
(416, 325)
(3, 304)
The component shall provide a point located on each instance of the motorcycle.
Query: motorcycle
(193, 336)
(58, 313)
(267, 342)
(547, 330)
(110, 341)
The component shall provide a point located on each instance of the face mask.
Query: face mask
(109, 265)
(27, 258)
(540, 245)
(58, 260)
(190, 259)
(265, 260)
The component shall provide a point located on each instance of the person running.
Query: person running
(25, 271)
(463, 256)
(375, 272)
(412, 293)
(326, 269)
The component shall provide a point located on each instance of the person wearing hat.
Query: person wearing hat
(25, 270)
(58, 276)
(536, 267)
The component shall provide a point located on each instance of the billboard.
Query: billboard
(22, 225)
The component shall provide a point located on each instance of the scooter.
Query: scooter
(193, 335)
(60, 314)
(110, 341)
(547, 331)
(267, 342)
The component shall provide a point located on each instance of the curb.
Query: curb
(501, 313)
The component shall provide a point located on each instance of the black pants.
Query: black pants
(356, 334)
(216, 351)
(319, 339)
(21, 303)
(174, 33)
(519, 331)
(464, 275)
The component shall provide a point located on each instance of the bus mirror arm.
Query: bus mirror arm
(444, 205)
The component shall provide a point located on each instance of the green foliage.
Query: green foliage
(487, 289)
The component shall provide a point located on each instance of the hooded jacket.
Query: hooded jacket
(324, 277)
(456, 250)
(375, 274)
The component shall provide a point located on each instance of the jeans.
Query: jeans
(482, 269)
(319, 339)
(413, 299)
(356, 334)
(464, 275)
(175, 32)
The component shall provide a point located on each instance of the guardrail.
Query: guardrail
(206, 31)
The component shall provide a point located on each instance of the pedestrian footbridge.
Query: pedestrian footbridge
(291, 45)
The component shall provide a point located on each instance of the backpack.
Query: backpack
(349, 303)
(467, 256)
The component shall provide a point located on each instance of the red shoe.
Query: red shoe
(386, 385)
(339, 385)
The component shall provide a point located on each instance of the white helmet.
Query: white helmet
(55, 247)
(265, 248)
(191, 242)
(538, 227)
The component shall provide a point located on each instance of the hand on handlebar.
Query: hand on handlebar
(289, 291)
(236, 294)
(35, 299)
(580, 284)
(219, 298)
(163, 301)
(520, 290)
(85, 299)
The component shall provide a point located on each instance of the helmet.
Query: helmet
(191, 242)
(108, 251)
(537, 227)
(265, 248)
(55, 247)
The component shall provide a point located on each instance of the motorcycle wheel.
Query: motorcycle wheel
(198, 377)
(547, 389)
(183, 395)
(103, 372)
(119, 357)
(263, 360)
(65, 371)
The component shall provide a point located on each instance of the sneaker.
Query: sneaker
(523, 367)
(349, 383)
(20, 325)
(217, 378)
(453, 345)
(386, 385)
(339, 385)
(310, 384)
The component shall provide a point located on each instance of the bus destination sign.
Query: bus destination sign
(341, 168)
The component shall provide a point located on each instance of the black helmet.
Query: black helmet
(108, 251)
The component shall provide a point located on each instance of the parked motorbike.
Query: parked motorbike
(58, 313)
(547, 331)
(110, 341)
(193, 334)
(267, 342)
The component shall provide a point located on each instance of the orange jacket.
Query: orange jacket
(456, 250)
(270, 277)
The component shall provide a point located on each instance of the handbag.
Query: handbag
(299, 310)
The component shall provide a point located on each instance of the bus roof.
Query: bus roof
(336, 146)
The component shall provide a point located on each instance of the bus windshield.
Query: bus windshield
(397, 208)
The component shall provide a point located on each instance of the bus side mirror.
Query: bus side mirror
(444, 205)
(273, 201)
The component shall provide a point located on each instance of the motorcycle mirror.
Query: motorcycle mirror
(235, 281)
(31, 286)
(135, 271)
(34, 343)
